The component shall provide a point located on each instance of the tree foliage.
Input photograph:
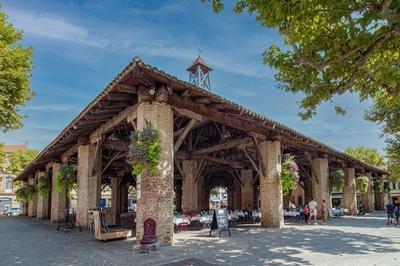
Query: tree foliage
(368, 155)
(334, 47)
(15, 73)
(3, 158)
(20, 159)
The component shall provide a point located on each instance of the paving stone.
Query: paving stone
(360, 240)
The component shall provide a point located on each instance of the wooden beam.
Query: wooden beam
(225, 146)
(234, 164)
(188, 114)
(117, 155)
(71, 151)
(127, 88)
(120, 97)
(128, 112)
(185, 132)
(256, 167)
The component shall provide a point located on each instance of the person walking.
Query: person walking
(390, 209)
(397, 211)
(312, 205)
(324, 211)
(306, 213)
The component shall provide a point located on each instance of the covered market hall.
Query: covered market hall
(206, 142)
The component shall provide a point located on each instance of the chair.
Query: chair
(102, 232)
(149, 234)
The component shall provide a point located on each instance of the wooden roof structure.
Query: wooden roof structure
(118, 101)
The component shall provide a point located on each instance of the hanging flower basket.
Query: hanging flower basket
(30, 191)
(44, 186)
(65, 178)
(145, 150)
(289, 175)
(387, 188)
(21, 194)
(362, 183)
(377, 188)
(336, 180)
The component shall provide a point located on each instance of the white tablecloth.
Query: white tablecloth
(291, 213)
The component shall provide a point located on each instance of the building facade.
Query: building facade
(7, 188)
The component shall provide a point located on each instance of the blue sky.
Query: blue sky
(80, 46)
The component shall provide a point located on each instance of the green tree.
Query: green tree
(3, 158)
(20, 159)
(368, 155)
(334, 47)
(15, 73)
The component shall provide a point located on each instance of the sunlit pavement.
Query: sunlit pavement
(364, 240)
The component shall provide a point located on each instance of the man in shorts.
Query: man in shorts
(312, 206)
(390, 209)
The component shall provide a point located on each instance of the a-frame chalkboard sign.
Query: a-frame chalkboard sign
(220, 222)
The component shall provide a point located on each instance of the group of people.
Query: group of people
(310, 211)
(393, 212)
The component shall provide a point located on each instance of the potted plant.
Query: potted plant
(21, 194)
(30, 191)
(145, 150)
(44, 186)
(336, 180)
(377, 188)
(65, 178)
(289, 175)
(362, 183)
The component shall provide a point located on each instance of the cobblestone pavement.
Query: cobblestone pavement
(344, 241)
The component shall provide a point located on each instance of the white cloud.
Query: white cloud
(56, 28)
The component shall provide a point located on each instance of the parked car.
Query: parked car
(14, 212)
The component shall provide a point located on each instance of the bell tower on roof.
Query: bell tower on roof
(199, 74)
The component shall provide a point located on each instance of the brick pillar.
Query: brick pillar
(58, 199)
(349, 191)
(308, 189)
(155, 199)
(247, 197)
(115, 200)
(200, 193)
(25, 204)
(32, 209)
(321, 188)
(189, 187)
(43, 202)
(178, 197)
(368, 198)
(236, 195)
(89, 181)
(124, 198)
(271, 186)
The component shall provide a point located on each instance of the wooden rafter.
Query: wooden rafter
(225, 146)
(185, 132)
(256, 167)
